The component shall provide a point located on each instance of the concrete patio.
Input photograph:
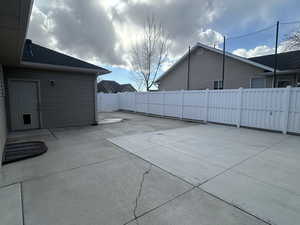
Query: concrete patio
(153, 171)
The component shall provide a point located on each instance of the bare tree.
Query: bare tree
(149, 53)
(293, 41)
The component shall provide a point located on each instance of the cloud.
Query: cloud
(257, 51)
(102, 31)
(183, 20)
(264, 50)
(80, 28)
(210, 37)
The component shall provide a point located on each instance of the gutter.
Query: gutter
(31, 65)
(280, 72)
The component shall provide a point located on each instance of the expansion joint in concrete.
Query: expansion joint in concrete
(22, 203)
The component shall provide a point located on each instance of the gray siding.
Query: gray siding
(3, 130)
(70, 102)
(205, 67)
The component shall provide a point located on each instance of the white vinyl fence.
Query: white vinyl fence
(271, 108)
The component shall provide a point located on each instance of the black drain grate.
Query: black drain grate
(19, 151)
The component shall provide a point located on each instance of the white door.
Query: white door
(24, 103)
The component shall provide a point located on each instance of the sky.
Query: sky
(103, 31)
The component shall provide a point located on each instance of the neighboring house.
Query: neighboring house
(127, 88)
(110, 86)
(202, 69)
(288, 66)
(39, 87)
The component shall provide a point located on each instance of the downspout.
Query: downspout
(95, 123)
(188, 70)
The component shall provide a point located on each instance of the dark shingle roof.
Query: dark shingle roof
(110, 86)
(286, 60)
(37, 54)
(127, 88)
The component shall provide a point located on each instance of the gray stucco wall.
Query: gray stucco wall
(3, 127)
(70, 102)
(205, 67)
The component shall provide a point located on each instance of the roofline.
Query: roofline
(245, 60)
(26, 30)
(281, 53)
(281, 72)
(26, 64)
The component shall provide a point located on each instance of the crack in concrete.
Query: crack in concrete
(139, 193)
(53, 134)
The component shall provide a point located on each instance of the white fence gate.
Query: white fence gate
(271, 108)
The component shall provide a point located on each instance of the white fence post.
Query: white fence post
(163, 106)
(206, 105)
(147, 93)
(285, 119)
(99, 102)
(182, 104)
(239, 107)
(135, 107)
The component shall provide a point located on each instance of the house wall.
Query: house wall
(3, 129)
(70, 102)
(205, 67)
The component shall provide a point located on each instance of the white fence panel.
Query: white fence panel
(127, 101)
(263, 108)
(108, 102)
(194, 105)
(223, 106)
(294, 111)
(142, 102)
(274, 109)
(173, 104)
(156, 103)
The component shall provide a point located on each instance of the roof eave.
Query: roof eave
(281, 72)
(32, 65)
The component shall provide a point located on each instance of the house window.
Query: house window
(283, 83)
(298, 81)
(218, 84)
(258, 83)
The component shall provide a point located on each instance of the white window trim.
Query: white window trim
(253, 78)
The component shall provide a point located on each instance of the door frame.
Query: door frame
(38, 86)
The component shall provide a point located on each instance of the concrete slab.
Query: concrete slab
(11, 205)
(273, 204)
(104, 193)
(194, 208)
(275, 169)
(256, 170)
(61, 156)
(197, 153)
(193, 170)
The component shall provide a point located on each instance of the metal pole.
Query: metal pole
(223, 69)
(275, 57)
(188, 73)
